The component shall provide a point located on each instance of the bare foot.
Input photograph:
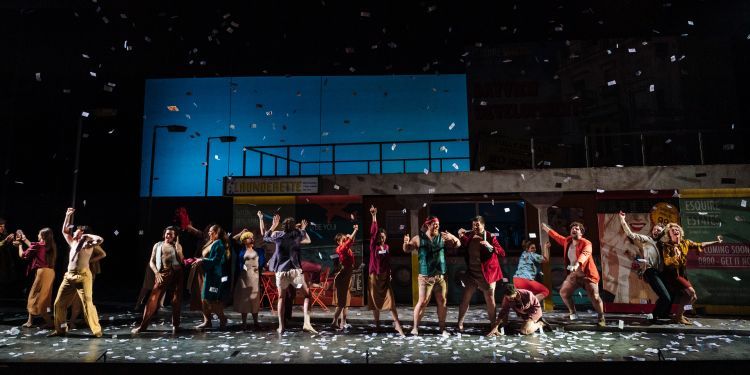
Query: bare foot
(460, 327)
(309, 328)
(71, 326)
(204, 325)
(493, 333)
(415, 331)
(27, 325)
(135, 330)
(399, 330)
(280, 330)
(445, 334)
(56, 334)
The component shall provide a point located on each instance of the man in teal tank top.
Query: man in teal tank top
(430, 247)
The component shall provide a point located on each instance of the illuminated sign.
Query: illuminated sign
(270, 185)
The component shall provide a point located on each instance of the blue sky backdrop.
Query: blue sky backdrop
(282, 111)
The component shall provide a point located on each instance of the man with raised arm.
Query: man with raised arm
(77, 279)
(285, 262)
(581, 267)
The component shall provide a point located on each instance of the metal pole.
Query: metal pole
(76, 163)
(533, 159)
(151, 181)
(380, 152)
(700, 146)
(586, 149)
(643, 151)
(151, 174)
(429, 156)
(244, 161)
(208, 151)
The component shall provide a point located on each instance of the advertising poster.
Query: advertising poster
(720, 273)
(622, 288)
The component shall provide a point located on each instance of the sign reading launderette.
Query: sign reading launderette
(270, 185)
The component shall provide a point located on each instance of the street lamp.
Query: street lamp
(171, 129)
(223, 139)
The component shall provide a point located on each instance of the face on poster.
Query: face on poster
(618, 252)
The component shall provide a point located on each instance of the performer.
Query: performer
(214, 277)
(285, 262)
(527, 270)
(77, 279)
(581, 267)
(527, 308)
(430, 245)
(250, 262)
(650, 266)
(675, 249)
(379, 292)
(343, 279)
(166, 264)
(41, 257)
(481, 252)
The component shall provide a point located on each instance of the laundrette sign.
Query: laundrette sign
(270, 185)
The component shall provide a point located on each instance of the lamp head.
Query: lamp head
(176, 128)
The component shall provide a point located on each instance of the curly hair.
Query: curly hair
(675, 225)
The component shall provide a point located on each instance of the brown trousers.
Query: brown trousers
(171, 279)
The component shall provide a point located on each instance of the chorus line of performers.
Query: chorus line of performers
(662, 263)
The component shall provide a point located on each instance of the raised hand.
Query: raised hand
(547, 245)
(260, 214)
(373, 210)
(70, 211)
(545, 227)
(304, 224)
(622, 214)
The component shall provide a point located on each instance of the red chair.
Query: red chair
(318, 292)
(270, 292)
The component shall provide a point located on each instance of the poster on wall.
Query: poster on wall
(623, 289)
(720, 272)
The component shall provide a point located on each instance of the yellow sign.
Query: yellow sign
(270, 185)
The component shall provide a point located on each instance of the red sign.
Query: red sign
(724, 255)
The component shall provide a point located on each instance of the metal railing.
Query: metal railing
(288, 161)
(661, 147)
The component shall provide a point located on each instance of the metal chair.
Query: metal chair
(318, 292)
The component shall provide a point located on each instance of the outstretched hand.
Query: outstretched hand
(546, 227)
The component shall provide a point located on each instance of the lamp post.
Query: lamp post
(223, 139)
(171, 129)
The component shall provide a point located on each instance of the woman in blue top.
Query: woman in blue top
(527, 269)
